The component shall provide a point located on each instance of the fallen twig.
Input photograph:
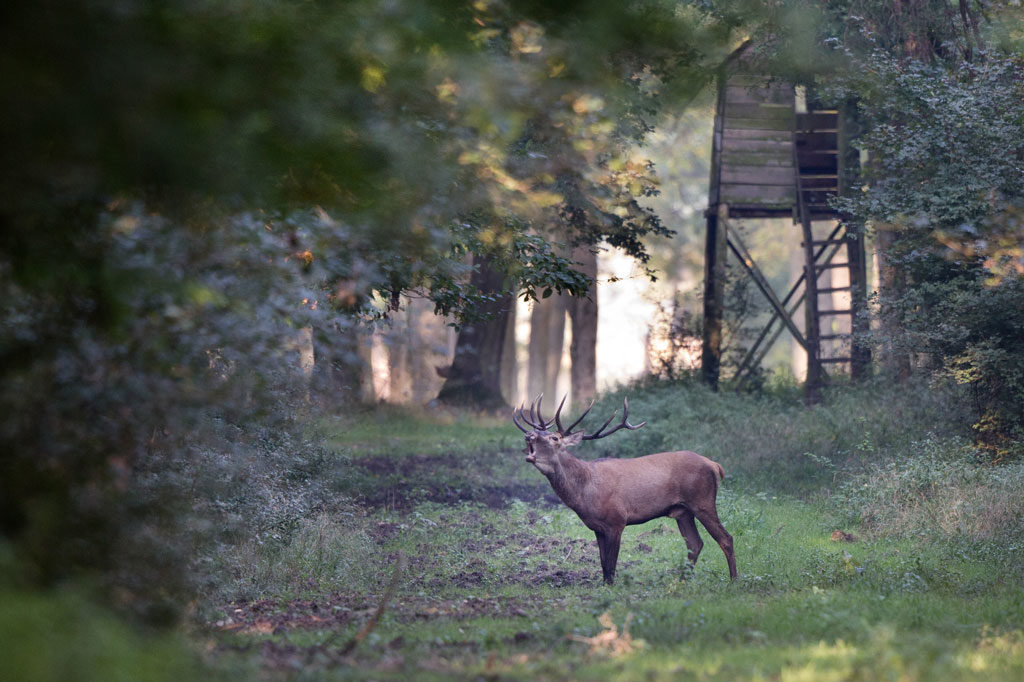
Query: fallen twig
(372, 623)
(367, 628)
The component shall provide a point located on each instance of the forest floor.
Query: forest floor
(461, 563)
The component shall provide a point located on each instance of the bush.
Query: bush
(946, 200)
(155, 410)
(938, 488)
(772, 439)
(322, 553)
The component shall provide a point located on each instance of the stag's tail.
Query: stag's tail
(720, 471)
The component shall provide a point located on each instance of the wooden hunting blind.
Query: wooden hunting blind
(776, 154)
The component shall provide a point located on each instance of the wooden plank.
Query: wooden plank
(716, 147)
(775, 196)
(760, 211)
(749, 80)
(779, 140)
(755, 158)
(715, 251)
(758, 175)
(758, 112)
(785, 136)
(785, 124)
(745, 94)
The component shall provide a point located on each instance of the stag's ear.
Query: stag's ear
(573, 439)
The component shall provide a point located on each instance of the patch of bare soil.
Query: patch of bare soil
(403, 482)
(338, 610)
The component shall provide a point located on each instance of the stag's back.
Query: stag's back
(649, 486)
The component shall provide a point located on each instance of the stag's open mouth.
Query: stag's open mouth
(530, 457)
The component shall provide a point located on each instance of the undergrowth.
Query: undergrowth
(872, 542)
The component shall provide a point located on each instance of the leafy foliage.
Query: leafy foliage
(945, 199)
(123, 434)
(192, 191)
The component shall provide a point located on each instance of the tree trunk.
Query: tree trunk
(547, 335)
(583, 351)
(401, 349)
(340, 365)
(474, 378)
(509, 365)
(892, 286)
(431, 337)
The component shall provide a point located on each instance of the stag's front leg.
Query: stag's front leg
(608, 544)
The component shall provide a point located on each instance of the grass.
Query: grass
(503, 582)
(871, 541)
(510, 592)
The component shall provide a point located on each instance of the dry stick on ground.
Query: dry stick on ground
(372, 623)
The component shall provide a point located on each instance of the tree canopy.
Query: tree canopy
(184, 186)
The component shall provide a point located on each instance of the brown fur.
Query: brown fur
(610, 494)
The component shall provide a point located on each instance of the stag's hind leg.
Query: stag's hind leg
(688, 529)
(709, 519)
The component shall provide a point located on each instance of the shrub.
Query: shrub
(938, 488)
(151, 413)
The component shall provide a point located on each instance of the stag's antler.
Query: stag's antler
(537, 421)
(566, 431)
(536, 418)
(624, 424)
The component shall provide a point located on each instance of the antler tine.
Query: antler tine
(529, 420)
(625, 416)
(558, 415)
(518, 411)
(566, 432)
(597, 434)
(623, 424)
(539, 415)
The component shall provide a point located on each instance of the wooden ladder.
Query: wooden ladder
(831, 329)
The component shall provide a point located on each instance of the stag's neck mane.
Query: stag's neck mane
(569, 479)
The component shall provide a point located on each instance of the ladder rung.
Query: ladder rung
(835, 312)
(829, 290)
(833, 359)
(826, 242)
(833, 337)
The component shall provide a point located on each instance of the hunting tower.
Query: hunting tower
(778, 154)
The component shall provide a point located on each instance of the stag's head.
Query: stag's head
(546, 447)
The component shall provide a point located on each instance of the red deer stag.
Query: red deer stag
(610, 494)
